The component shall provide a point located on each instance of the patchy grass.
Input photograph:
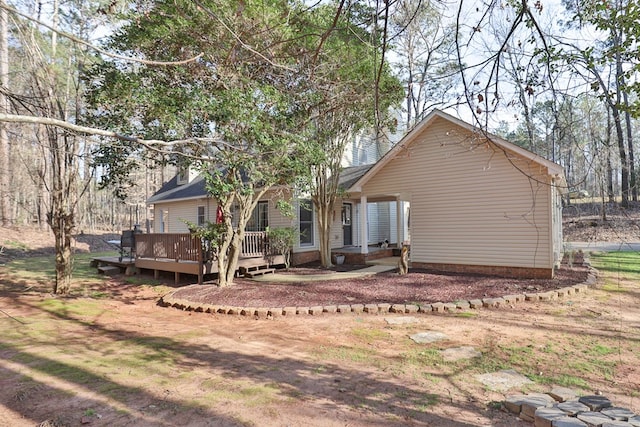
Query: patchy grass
(168, 363)
(39, 272)
(622, 264)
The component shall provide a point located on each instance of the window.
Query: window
(164, 221)
(259, 220)
(201, 216)
(305, 219)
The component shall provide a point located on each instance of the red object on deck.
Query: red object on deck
(219, 216)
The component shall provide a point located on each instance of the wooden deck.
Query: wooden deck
(183, 253)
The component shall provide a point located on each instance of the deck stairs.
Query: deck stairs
(259, 270)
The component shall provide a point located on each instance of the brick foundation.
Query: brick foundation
(489, 270)
(304, 257)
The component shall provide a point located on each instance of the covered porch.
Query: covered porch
(378, 221)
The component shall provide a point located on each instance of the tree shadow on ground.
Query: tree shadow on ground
(360, 396)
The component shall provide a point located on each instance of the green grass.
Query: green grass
(370, 334)
(42, 269)
(624, 264)
(12, 244)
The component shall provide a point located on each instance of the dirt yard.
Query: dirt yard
(109, 355)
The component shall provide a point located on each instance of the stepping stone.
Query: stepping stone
(619, 414)
(533, 403)
(616, 424)
(635, 421)
(593, 419)
(109, 270)
(544, 416)
(428, 337)
(503, 380)
(562, 394)
(595, 403)
(573, 407)
(402, 320)
(460, 353)
(567, 422)
(513, 403)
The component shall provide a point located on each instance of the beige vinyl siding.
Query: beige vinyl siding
(182, 210)
(469, 202)
(337, 236)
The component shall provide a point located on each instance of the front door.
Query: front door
(347, 228)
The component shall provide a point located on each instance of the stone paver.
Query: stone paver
(460, 353)
(620, 414)
(616, 424)
(503, 380)
(544, 416)
(563, 394)
(546, 410)
(593, 419)
(567, 422)
(428, 337)
(595, 403)
(401, 320)
(573, 407)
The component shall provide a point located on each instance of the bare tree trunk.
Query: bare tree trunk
(324, 212)
(632, 168)
(5, 175)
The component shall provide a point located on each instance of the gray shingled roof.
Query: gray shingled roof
(352, 174)
(171, 191)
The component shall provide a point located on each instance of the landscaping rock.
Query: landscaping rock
(475, 303)
(543, 417)
(593, 419)
(562, 394)
(402, 320)
(460, 353)
(567, 422)
(437, 307)
(616, 424)
(595, 402)
(573, 407)
(513, 403)
(428, 337)
(371, 308)
(619, 414)
(463, 305)
(344, 308)
(504, 380)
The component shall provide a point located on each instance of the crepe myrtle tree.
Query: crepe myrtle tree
(234, 113)
(350, 87)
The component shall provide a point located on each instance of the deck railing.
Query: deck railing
(186, 247)
(174, 246)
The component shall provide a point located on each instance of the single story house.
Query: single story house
(478, 203)
(462, 199)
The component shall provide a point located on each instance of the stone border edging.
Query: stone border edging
(563, 407)
(383, 308)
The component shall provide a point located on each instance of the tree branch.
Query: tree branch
(96, 48)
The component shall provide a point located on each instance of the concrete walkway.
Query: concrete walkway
(376, 266)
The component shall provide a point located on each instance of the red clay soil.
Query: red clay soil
(418, 286)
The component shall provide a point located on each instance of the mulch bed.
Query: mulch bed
(418, 286)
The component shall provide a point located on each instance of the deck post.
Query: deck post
(177, 278)
(156, 274)
(200, 264)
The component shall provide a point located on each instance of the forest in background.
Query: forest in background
(563, 104)
(101, 100)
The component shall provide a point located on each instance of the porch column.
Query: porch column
(364, 233)
(399, 222)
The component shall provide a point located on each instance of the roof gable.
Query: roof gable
(552, 168)
(172, 191)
